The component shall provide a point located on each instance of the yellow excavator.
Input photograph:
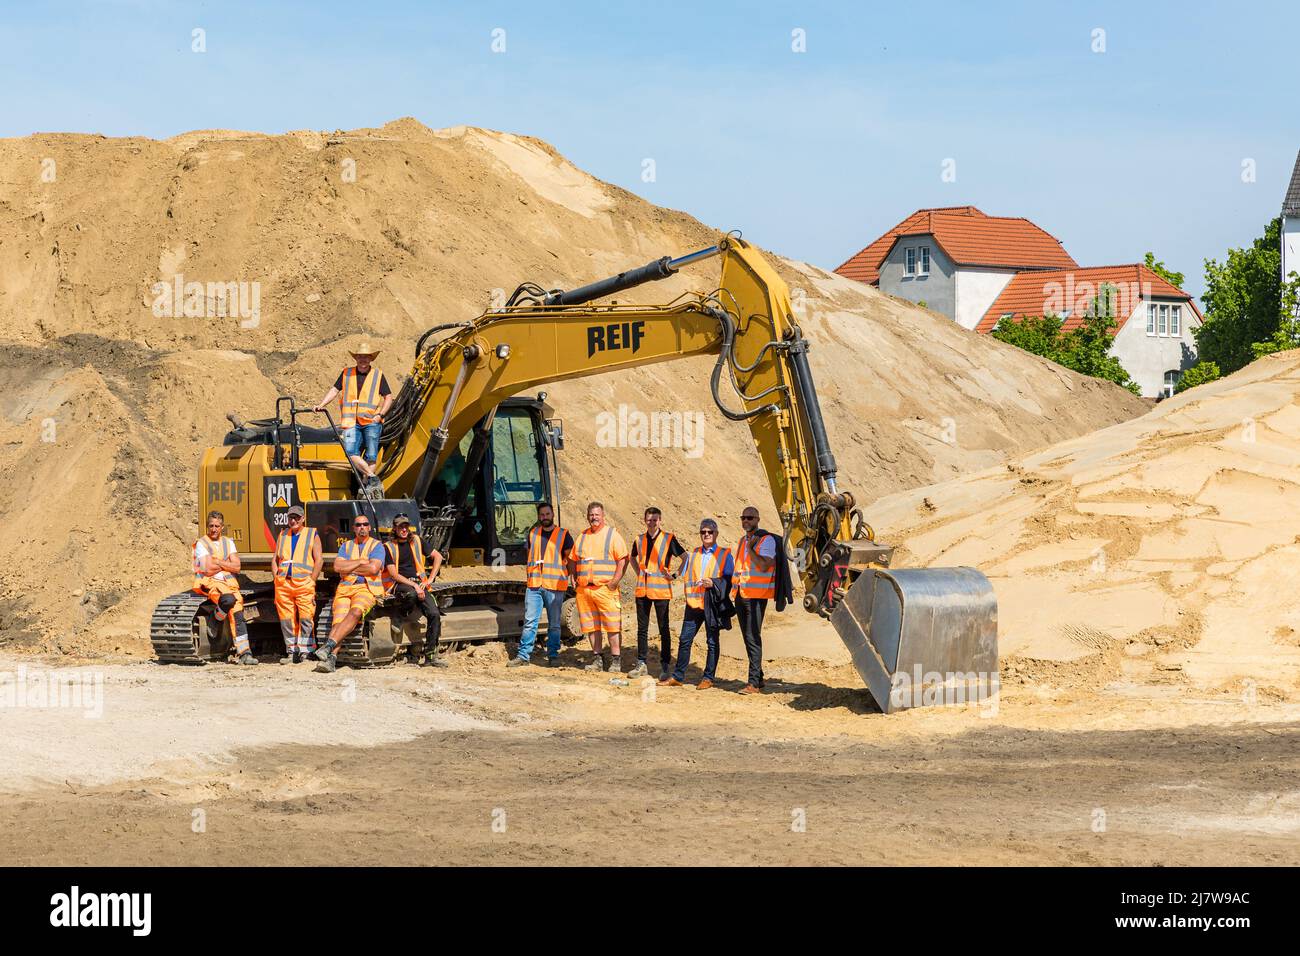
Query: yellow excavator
(462, 449)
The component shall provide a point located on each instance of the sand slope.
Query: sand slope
(1164, 549)
(430, 228)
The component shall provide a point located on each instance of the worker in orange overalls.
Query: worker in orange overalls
(754, 585)
(598, 561)
(216, 562)
(360, 566)
(652, 556)
(295, 568)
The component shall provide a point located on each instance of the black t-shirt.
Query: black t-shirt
(361, 381)
(675, 550)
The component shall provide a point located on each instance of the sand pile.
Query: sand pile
(114, 384)
(1165, 549)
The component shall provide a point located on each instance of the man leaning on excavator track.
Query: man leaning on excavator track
(216, 562)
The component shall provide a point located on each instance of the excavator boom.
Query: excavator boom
(912, 632)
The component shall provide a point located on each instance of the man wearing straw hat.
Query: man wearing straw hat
(364, 400)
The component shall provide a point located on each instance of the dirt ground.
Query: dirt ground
(478, 764)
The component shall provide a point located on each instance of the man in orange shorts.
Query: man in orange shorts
(294, 569)
(359, 565)
(216, 562)
(598, 561)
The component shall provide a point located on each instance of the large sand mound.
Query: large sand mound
(1165, 549)
(382, 233)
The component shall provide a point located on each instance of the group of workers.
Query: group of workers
(717, 584)
(368, 569)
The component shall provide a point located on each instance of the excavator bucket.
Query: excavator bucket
(922, 636)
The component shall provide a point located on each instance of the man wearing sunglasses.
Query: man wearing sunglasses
(755, 586)
(359, 565)
(708, 569)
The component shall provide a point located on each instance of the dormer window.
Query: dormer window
(909, 258)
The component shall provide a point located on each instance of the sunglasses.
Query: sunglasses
(709, 533)
(361, 524)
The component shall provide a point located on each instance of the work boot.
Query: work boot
(246, 658)
(596, 665)
(325, 651)
(639, 671)
(552, 662)
(615, 665)
(328, 664)
(518, 662)
(435, 660)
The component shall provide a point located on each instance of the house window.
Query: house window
(1151, 320)
(910, 256)
(1171, 382)
(925, 260)
(1162, 323)
(1176, 321)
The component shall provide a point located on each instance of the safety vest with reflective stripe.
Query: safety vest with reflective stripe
(545, 563)
(225, 546)
(750, 581)
(701, 569)
(417, 551)
(357, 408)
(595, 566)
(349, 550)
(652, 581)
(295, 564)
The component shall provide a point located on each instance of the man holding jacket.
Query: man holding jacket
(709, 569)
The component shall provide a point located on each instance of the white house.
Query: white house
(1291, 225)
(978, 269)
(1154, 319)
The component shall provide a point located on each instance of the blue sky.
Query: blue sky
(812, 154)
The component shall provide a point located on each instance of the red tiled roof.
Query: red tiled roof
(969, 238)
(1037, 293)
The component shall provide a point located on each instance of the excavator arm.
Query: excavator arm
(464, 370)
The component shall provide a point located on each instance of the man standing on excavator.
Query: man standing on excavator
(360, 566)
(216, 562)
(597, 563)
(364, 399)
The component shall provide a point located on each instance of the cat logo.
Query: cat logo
(279, 493)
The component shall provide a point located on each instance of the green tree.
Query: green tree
(1175, 279)
(1085, 348)
(1244, 303)
(1198, 374)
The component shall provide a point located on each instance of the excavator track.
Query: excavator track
(175, 630)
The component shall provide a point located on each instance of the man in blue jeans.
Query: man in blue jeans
(707, 562)
(549, 556)
(364, 399)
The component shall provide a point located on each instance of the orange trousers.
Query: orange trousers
(214, 589)
(295, 605)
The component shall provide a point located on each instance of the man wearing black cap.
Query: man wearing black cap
(411, 577)
(295, 568)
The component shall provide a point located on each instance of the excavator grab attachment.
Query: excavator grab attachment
(922, 636)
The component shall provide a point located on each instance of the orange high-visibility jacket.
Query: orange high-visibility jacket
(545, 562)
(360, 409)
(417, 550)
(294, 564)
(349, 550)
(701, 569)
(652, 581)
(222, 549)
(598, 555)
(750, 581)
